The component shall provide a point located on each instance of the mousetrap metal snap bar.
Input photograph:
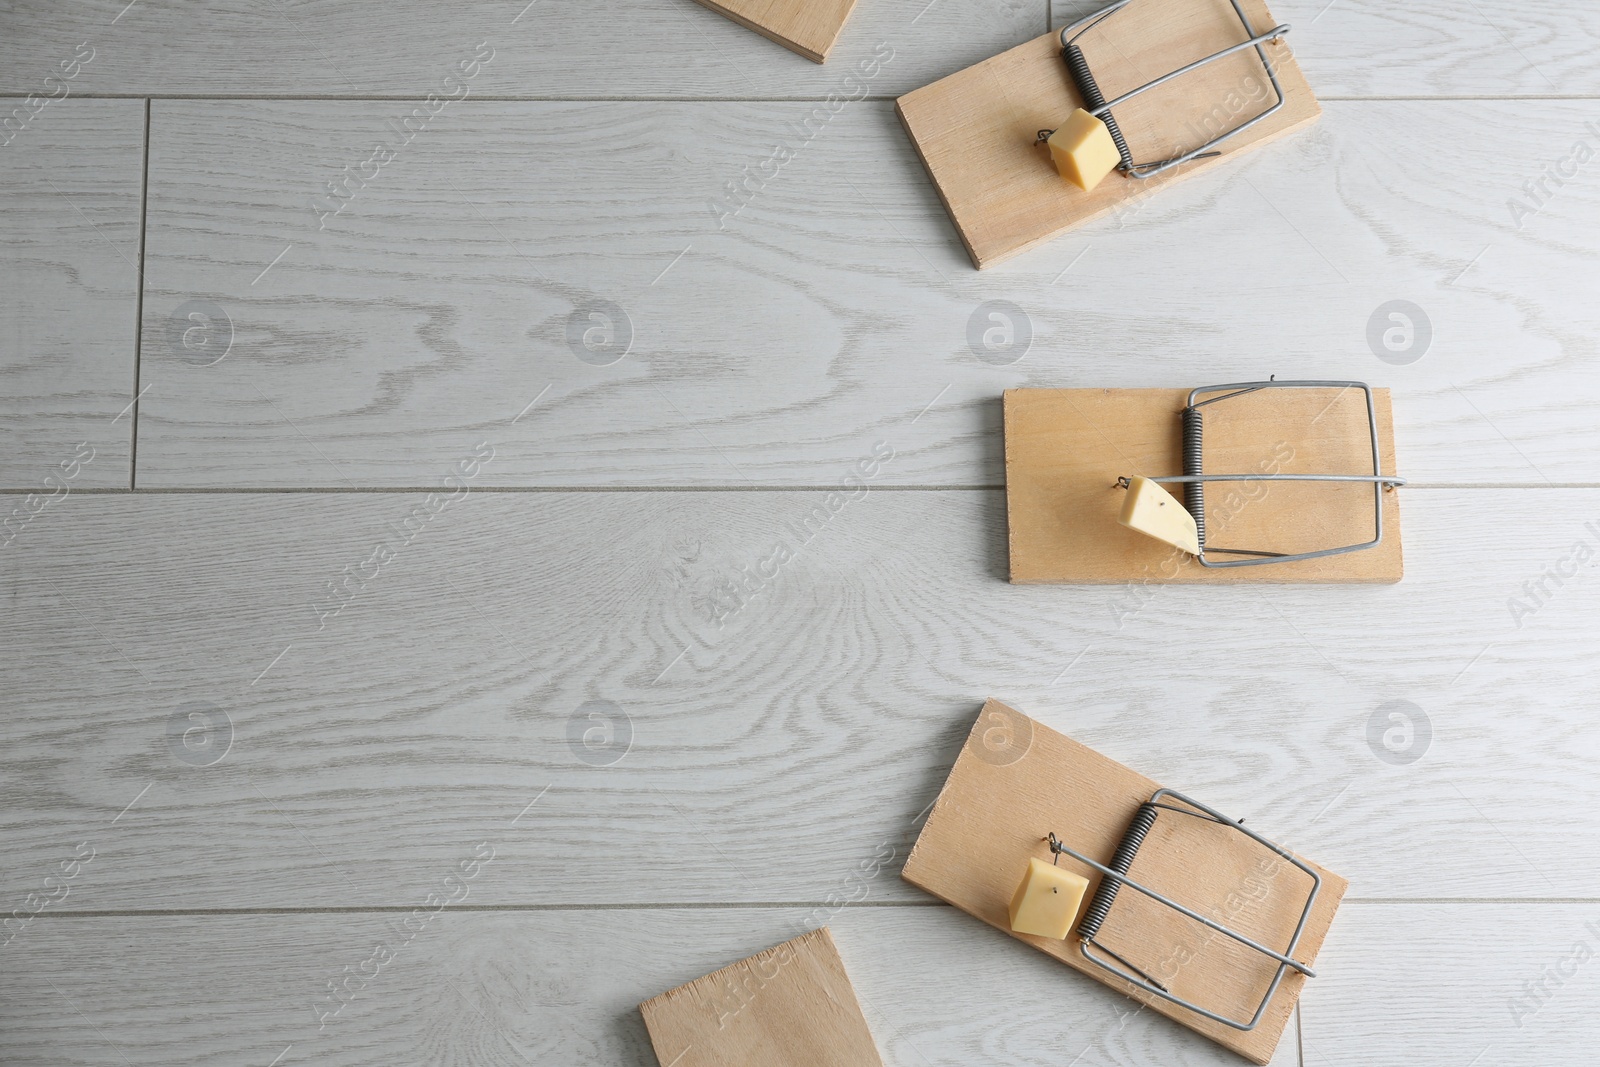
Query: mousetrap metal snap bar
(1152, 510)
(1115, 876)
(1086, 140)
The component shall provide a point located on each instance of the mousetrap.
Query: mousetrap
(790, 1006)
(1157, 896)
(1281, 481)
(809, 27)
(1150, 91)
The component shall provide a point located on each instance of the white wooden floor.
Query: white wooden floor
(379, 684)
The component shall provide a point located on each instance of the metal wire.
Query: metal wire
(1115, 875)
(1098, 106)
(1194, 452)
(1193, 478)
(1079, 66)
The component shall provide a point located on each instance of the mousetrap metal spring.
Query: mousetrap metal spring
(1194, 479)
(1096, 104)
(1115, 875)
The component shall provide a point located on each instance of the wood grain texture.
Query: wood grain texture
(547, 987)
(604, 48)
(646, 48)
(1430, 48)
(806, 27)
(1435, 983)
(1017, 783)
(1066, 448)
(976, 130)
(448, 696)
(789, 1006)
(72, 171)
(838, 303)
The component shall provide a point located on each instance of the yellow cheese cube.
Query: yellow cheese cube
(1083, 150)
(1046, 903)
(1152, 510)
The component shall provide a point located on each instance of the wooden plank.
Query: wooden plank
(1017, 782)
(1506, 982)
(1369, 48)
(497, 988)
(975, 130)
(621, 48)
(72, 170)
(441, 696)
(1426, 982)
(790, 1006)
(1066, 448)
(838, 303)
(804, 27)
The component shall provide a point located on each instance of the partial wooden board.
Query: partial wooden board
(806, 27)
(789, 1006)
(545, 987)
(837, 304)
(1066, 448)
(785, 755)
(73, 172)
(976, 130)
(602, 49)
(1431, 47)
(1017, 782)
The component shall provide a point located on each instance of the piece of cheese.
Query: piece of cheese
(1152, 510)
(1083, 150)
(1046, 903)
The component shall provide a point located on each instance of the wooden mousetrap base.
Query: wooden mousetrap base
(975, 129)
(809, 27)
(1065, 449)
(790, 1006)
(1017, 781)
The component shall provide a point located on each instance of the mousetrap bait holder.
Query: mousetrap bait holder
(1099, 108)
(1194, 479)
(1115, 875)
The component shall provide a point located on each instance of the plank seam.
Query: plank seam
(715, 905)
(412, 490)
(138, 309)
(646, 99)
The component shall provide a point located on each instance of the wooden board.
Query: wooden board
(1366, 48)
(814, 294)
(809, 27)
(72, 171)
(1016, 781)
(790, 1006)
(975, 130)
(440, 701)
(1065, 449)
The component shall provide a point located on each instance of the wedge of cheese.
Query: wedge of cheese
(1152, 510)
(1046, 903)
(1082, 150)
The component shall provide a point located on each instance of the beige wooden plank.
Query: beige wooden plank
(838, 303)
(805, 27)
(976, 131)
(605, 49)
(1430, 47)
(1017, 784)
(544, 987)
(1067, 448)
(72, 171)
(791, 1005)
(448, 686)
(1505, 983)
